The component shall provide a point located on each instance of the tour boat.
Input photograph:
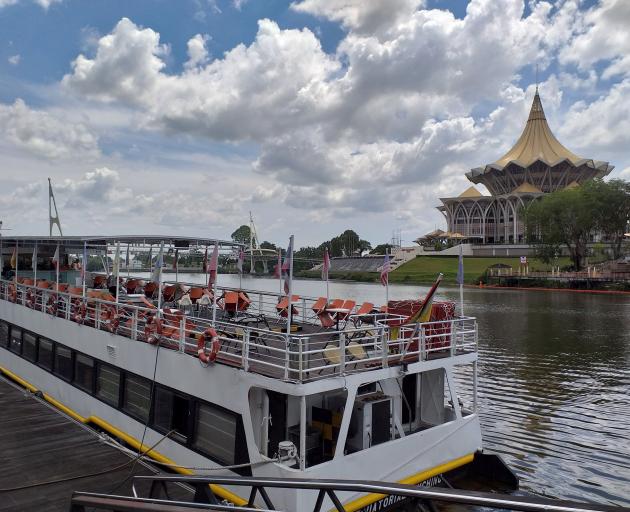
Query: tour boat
(233, 381)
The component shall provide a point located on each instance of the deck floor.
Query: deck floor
(38, 443)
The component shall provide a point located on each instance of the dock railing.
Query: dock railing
(370, 343)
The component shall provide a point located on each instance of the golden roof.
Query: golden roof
(573, 184)
(526, 187)
(537, 142)
(470, 192)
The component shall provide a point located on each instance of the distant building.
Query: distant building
(537, 164)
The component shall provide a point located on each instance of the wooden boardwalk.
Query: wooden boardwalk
(39, 444)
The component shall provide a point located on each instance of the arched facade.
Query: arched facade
(537, 164)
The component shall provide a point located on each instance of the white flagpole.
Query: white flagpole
(214, 288)
(280, 270)
(17, 259)
(387, 284)
(117, 266)
(290, 306)
(58, 265)
(461, 281)
(161, 264)
(176, 267)
(84, 266)
(35, 263)
(127, 260)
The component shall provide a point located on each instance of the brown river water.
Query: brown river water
(554, 381)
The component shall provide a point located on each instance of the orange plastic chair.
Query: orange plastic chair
(44, 284)
(195, 293)
(348, 305)
(131, 285)
(28, 282)
(150, 289)
(335, 304)
(319, 305)
(283, 306)
(75, 290)
(169, 293)
(365, 309)
(100, 281)
(61, 287)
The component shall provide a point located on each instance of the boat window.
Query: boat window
(108, 384)
(84, 372)
(16, 340)
(171, 412)
(137, 396)
(45, 353)
(215, 433)
(4, 334)
(29, 346)
(63, 362)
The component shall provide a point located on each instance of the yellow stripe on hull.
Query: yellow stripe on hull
(131, 441)
(368, 499)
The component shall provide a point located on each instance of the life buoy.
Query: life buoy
(209, 335)
(153, 330)
(12, 293)
(110, 319)
(51, 305)
(30, 299)
(80, 312)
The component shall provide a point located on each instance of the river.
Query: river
(554, 380)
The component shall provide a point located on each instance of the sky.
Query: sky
(181, 117)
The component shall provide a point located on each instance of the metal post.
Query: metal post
(35, 264)
(342, 353)
(246, 350)
(182, 334)
(474, 386)
(303, 432)
(384, 348)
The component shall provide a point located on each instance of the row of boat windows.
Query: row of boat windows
(208, 429)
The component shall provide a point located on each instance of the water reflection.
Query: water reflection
(554, 386)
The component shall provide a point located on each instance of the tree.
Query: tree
(268, 245)
(346, 244)
(242, 235)
(562, 218)
(382, 249)
(611, 202)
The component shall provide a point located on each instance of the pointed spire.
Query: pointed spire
(536, 113)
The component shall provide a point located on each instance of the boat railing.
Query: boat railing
(360, 346)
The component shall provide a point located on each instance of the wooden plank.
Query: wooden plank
(39, 444)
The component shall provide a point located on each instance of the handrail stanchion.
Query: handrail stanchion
(453, 340)
(134, 324)
(384, 348)
(182, 334)
(246, 350)
(286, 357)
(342, 353)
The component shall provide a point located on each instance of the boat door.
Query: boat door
(277, 421)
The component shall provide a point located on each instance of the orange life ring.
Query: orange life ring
(109, 319)
(51, 305)
(80, 312)
(209, 335)
(12, 293)
(153, 330)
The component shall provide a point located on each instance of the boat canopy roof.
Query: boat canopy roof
(76, 242)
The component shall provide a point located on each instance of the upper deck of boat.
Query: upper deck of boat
(325, 338)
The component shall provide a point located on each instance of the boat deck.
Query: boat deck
(39, 444)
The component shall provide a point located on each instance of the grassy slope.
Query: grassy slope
(423, 269)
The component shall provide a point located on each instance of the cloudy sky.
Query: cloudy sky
(158, 116)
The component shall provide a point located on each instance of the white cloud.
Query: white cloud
(360, 15)
(45, 135)
(197, 51)
(604, 37)
(270, 86)
(411, 99)
(14, 60)
(45, 4)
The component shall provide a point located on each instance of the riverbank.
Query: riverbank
(424, 269)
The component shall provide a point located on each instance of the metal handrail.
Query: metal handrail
(299, 357)
(331, 487)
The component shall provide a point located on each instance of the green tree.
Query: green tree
(242, 235)
(381, 249)
(564, 218)
(268, 245)
(611, 202)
